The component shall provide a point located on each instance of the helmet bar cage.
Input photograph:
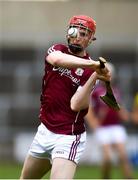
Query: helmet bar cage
(80, 25)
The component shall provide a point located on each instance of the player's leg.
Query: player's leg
(106, 162)
(125, 164)
(120, 137)
(37, 162)
(35, 168)
(62, 169)
(104, 138)
(66, 155)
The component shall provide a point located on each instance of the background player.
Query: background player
(108, 129)
(67, 83)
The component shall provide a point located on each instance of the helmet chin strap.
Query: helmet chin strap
(74, 48)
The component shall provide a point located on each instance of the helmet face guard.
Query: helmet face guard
(81, 22)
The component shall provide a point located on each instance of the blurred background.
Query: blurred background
(27, 29)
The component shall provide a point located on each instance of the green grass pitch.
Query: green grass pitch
(12, 171)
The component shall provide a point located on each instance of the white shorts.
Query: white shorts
(49, 145)
(111, 134)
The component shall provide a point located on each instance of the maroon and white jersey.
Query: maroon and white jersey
(59, 85)
(107, 115)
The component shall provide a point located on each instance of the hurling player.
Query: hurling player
(69, 77)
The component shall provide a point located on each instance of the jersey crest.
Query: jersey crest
(79, 71)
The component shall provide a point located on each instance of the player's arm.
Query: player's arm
(124, 114)
(134, 115)
(80, 100)
(57, 58)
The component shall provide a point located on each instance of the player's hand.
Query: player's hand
(104, 76)
(96, 65)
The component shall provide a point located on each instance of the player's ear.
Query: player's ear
(94, 38)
